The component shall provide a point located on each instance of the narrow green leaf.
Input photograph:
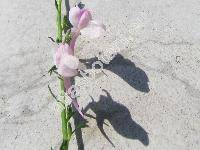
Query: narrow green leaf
(54, 96)
(69, 109)
(64, 24)
(68, 24)
(70, 115)
(65, 145)
(69, 130)
(59, 22)
(70, 112)
(51, 39)
(52, 93)
(68, 37)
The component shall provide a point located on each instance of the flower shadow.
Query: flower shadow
(119, 117)
(125, 69)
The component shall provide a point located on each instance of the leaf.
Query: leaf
(68, 24)
(61, 103)
(64, 145)
(69, 109)
(51, 39)
(69, 130)
(64, 24)
(52, 93)
(68, 37)
(69, 116)
(70, 112)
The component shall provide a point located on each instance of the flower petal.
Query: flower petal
(68, 66)
(85, 18)
(74, 16)
(66, 72)
(75, 34)
(93, 30)
(70, 61)
(62, 50)
(67, 83)
(74, 102)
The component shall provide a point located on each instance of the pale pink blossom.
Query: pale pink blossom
(67, 65)
(65, 61)
(82, 22)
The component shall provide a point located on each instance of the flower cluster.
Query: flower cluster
(65, 60)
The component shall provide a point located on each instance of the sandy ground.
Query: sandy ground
(149, 95)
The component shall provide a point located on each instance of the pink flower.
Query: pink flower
(66, 62)
(67, 65)
(79, 18)
(82, 22)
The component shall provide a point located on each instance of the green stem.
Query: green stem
(59, 22)
(65, 143)
(62, 88)
(64, 124)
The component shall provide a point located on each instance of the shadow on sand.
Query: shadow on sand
(106, 108)
(125, 69)
(117, 115)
